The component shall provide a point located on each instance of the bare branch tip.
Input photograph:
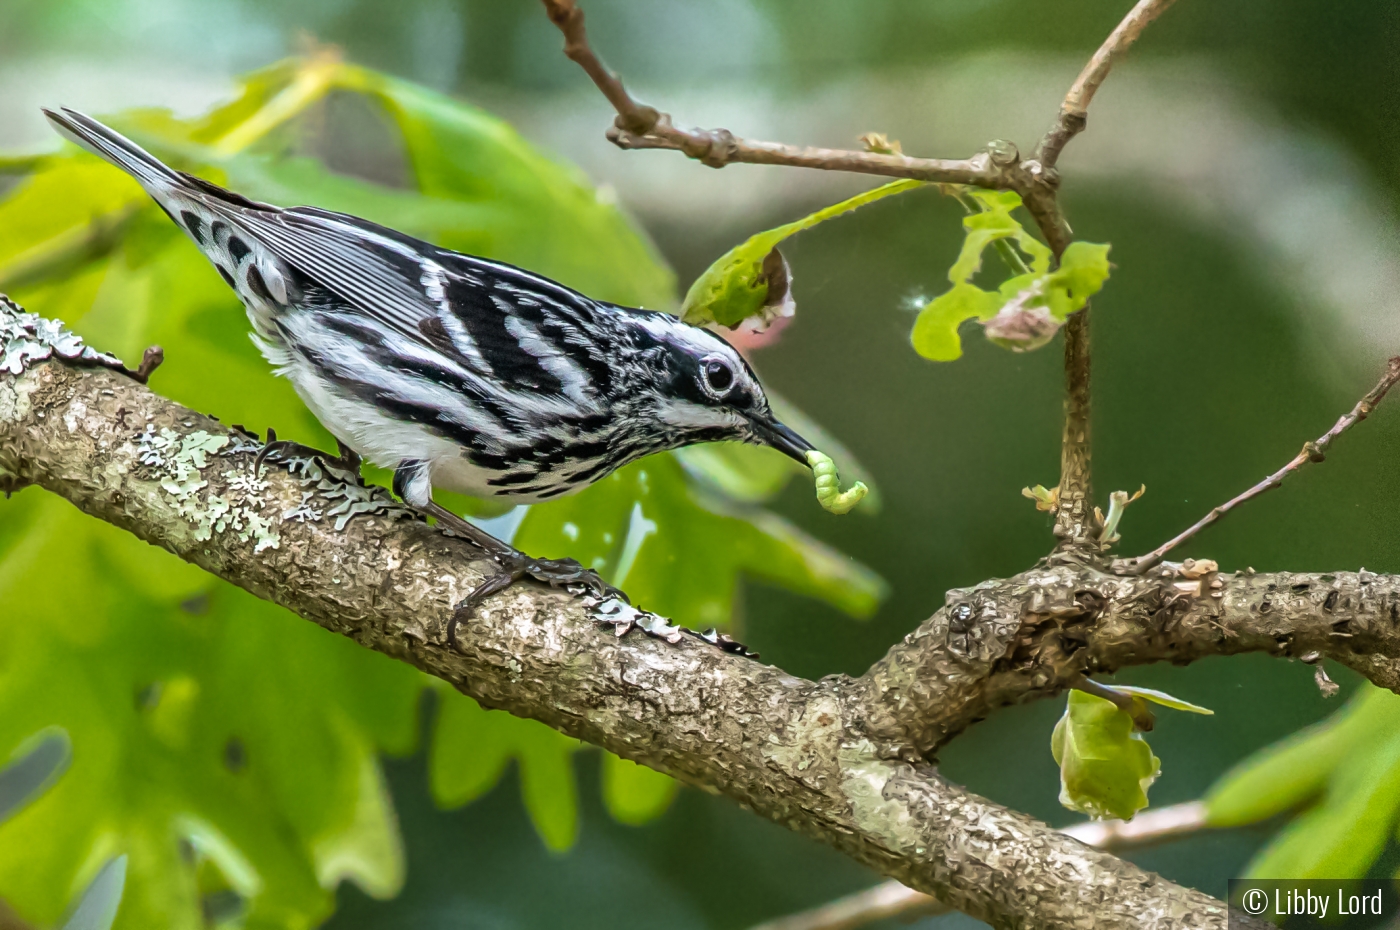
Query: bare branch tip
(1313, 451)
(151, 359)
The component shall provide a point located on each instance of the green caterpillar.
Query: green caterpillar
(829, 493)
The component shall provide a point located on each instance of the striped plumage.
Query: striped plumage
(462, 373)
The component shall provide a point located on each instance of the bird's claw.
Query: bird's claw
(557, 573)
(278, 450)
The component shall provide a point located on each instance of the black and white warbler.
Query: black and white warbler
(457, 372)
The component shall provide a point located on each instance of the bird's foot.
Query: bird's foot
(277, 450)
(514, 564)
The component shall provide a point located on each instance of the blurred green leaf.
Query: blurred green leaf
(1105, 767)
(98, 906)
(751, 474)
(226, 723)
(736, 286)
(1029, 307)
(635, 794)
(36, 764)
(201, 715)
(1344, 834)
(471, 747)
(1295, 771)
(1342, 776)
(680, 553)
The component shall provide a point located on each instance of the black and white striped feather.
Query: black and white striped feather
(503, 383)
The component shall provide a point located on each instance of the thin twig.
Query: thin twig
(1314, 451)
(639, 126)
(1074, 111)
(1072, 523)
(151, 359)
(891, 899)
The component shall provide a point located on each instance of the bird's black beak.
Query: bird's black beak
(782, 438)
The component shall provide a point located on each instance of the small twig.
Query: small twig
(891, 899)
(1074, 111)
(639, 126)
(151, 359)
(1314, 451)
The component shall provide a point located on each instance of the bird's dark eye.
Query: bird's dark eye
(719, 377)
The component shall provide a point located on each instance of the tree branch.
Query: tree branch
(1315, 451)
(891, 899)
(809, 755)
(1004, 642)
(639, 126)
(1072, 520)
(1074, 111)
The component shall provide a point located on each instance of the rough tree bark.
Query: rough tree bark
(843, 760)
(849, 761)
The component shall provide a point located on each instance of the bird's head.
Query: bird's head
(704, 391)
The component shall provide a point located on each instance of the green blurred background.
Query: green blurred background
(1243, 164)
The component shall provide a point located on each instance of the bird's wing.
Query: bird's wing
(524, 330)
(386, 275)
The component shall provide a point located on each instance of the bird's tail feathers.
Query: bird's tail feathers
(111, 145)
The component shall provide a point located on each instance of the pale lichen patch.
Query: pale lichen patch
(26, 338)
(864, 783)
(177, 462)
(75, 412)
(346, 496)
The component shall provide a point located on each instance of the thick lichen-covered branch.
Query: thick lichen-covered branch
(818, 757)
(894, 900)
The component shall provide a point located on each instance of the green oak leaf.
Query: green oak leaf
(471, 747)
(226, 723)
(1105, 767)
(1082, 271)
(737, 286)
(992, 223)
(200, 715)
(1028, 308)
(935, 334)
(635, 794)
